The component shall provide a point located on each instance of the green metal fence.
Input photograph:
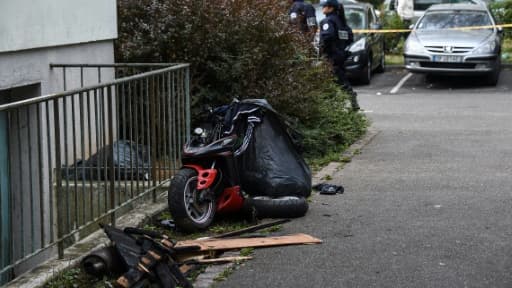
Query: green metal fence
(63, 172)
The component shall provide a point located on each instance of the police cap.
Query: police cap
(333, 3)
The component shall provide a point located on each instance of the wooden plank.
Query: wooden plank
(221, 260)
(238, 243)
(186, 267)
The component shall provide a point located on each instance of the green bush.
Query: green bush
(240, 49)
(393, 40)
(502, 11)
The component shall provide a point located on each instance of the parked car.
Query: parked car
(420, 6)
(367, 51)
(435, 47)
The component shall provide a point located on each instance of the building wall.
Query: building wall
(33, 66)
(28, 24)
(33, 34)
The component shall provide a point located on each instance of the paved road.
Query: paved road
(427, 203)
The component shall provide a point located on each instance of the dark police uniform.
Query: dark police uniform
(334, 39)
(303, 14)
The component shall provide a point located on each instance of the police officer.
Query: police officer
(303, 15)
(335, 36)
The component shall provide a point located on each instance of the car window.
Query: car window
(422, 5)
(453, 19)
(355, 18)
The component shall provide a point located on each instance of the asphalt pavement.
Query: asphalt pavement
(427, 203)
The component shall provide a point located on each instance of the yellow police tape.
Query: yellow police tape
(360, 31)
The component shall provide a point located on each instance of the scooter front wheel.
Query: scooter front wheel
(190, 210)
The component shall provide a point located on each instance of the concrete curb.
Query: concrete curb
(353, 150)
(74, 254)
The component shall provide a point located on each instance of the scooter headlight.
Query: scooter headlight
(198, 131)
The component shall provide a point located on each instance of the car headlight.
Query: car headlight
(413, 46)
(486, 48)
(358, 45)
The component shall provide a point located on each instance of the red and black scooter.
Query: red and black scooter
(209, 181)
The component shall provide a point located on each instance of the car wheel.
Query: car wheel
(494, 76)
(366, 75)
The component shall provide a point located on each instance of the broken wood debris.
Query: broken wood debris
(239, 243)
(148, 255)
(220, 260)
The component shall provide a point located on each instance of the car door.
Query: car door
(377, 39)
(371, 37)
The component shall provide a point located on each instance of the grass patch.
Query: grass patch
(192, 276)
(74, 277)
(272, 229)
(394, 59)
(333, 156)
(224, 274)
(506, 53)
(346, 159)
(327, 178)
(246, 251)
(228, 226)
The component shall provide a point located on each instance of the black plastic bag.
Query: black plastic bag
(271, 165)
(131, 161)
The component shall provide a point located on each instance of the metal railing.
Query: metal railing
(78, 157)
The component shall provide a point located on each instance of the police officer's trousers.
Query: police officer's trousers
(339, 71)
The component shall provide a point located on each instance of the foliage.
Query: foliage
(336, 126)
(248, 251)
(394, 59)
(393, 41)
(507, 50)
(74, 277)
(240, 49)
(502, 11)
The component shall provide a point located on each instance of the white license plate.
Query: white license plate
(447, 58)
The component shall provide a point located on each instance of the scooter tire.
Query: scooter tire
(176, 199)
(281, 207)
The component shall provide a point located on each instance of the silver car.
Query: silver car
(436, 46)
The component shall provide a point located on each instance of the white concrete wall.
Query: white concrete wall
(26, 67)
(33, 66)
(33, 34)
(28, 24)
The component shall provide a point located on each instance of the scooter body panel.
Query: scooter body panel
(230, 200)
(205, 177)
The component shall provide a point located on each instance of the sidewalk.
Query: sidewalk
(426, 203)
